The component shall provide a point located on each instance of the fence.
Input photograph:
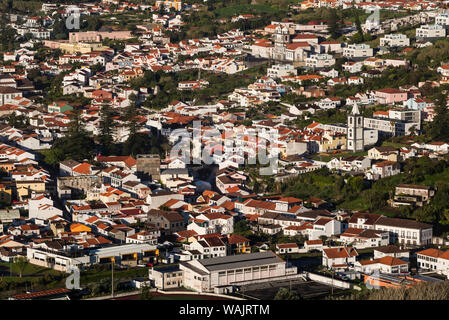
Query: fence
(288, 277)
(329, 281)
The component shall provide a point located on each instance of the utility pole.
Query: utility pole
(332, 286)
(112, 277)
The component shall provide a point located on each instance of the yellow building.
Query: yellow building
(176, 4)
(5, 194)
(75, 47)
(239, 244)
(331, 142)
(24, 189)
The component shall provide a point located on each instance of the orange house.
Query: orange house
(78, 227)
(7, 166)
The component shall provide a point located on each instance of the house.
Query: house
(167, 221)
(213, 222)
(324, 226)
(42, 207)
(407, 194)
(238, 244)
(392, 251)
(433, 260)
(383, 169)
(144, 237)
(285, 248)
(351, 163)
(204, 248)
(166, 277)
(383, 153)
(387, 264)
(390, 96)
(311, 245)
(339, 258)
(365, 238)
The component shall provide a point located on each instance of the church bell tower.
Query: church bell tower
(354, 138)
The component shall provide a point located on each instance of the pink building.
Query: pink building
(390, 95)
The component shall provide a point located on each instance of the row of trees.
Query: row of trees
(421, 291)
(79, 145)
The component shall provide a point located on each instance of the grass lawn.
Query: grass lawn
(394, 144)
(29, 270)
(96, 276)
(302, 255)
(356, 204)
(327, 156)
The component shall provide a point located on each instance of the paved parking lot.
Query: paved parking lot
(305, 289)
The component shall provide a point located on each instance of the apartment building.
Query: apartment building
(430, 32)
(406, 115)
(390, 127)
(358, 51)
(320, 61)
(281, 70)
(442, 20)
(395, 40)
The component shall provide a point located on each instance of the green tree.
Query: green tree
(20, 263)
(438, 128)
(334, 25)
(106, 125)
(358, 24)
(286, 294)
(145, 293)
(77, 144)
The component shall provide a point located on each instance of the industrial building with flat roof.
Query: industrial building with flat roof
(129, 254)
(206, 275)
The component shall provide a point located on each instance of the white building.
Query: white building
(339, 258)
(281, 70)
(387, 265)
(395, 40)
(208, 274)
(365, 238)
(402, 230)
(433, 260)
(430, 32)
(320, 61)
(358, 51)
(355, 140)
(42, 208)
(442, 19)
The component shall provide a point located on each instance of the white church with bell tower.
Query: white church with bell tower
(355, 135)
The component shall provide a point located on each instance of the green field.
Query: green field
(327, 157)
